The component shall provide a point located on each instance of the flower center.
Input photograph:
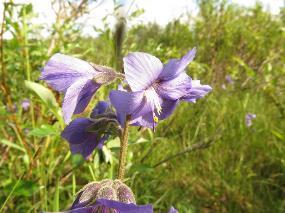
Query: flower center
(153, 98)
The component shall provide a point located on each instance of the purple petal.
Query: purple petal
(176, 87)
(197, 91)
(168, 106)
(26, 104)
(79, 139)
(229, 79)
(248, 119)
(102, 141)
(134, 104)
(100, 108)
(172, 210)
(126, 102)
(121, 117)
(175, 66)
(77, 97)
(125, 207)
(145, 120)
(61, 71)
(141, 70)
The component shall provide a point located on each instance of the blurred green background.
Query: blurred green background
(243, 169)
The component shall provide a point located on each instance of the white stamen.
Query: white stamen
(152, 96)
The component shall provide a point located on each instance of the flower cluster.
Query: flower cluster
(150, 92)
(248, 119)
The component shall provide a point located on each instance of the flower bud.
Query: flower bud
(106, 189)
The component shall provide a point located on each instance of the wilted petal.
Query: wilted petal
(175, 66)
(61, 71)
(176, 87)
(77, 97)
(141, 70)
(197, 91)
(79, 139)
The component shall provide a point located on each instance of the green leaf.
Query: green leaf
(142, 168)
(77, 160)
(278, 135)
(43, 131)
(12, 145)
(44, 93)
(107, 155)
(249, 71)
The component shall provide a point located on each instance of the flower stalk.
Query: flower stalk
(123, 149)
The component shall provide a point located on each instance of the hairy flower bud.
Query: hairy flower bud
(106, 189)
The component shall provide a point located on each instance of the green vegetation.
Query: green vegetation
(243, 170)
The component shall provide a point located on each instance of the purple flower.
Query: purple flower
(104, 205)
(77, 79)
(248, 119)
(156, 89)
(26, 104)
(80, 139)
(172, 210)
(229, 79)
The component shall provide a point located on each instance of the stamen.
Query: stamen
(155, 119)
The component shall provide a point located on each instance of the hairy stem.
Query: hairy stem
(123, 149)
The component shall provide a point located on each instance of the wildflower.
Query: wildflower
(248, 119)
(77, 79)
(80, 133)
(25, 104)
(229, 79)
(172, 210)
(156, 89)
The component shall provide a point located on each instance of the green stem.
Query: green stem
(27, 61)
(124, 149)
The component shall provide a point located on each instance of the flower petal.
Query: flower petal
(172, 210)
(197, 91)
(125, 207)
(126, 102)
(61, 71)
(145, 120)
(100, 108)
(81, 141)
(175, 66)
(168, 106)
(77, 97)
(176, 87)
(141, 70)
(102, 141)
